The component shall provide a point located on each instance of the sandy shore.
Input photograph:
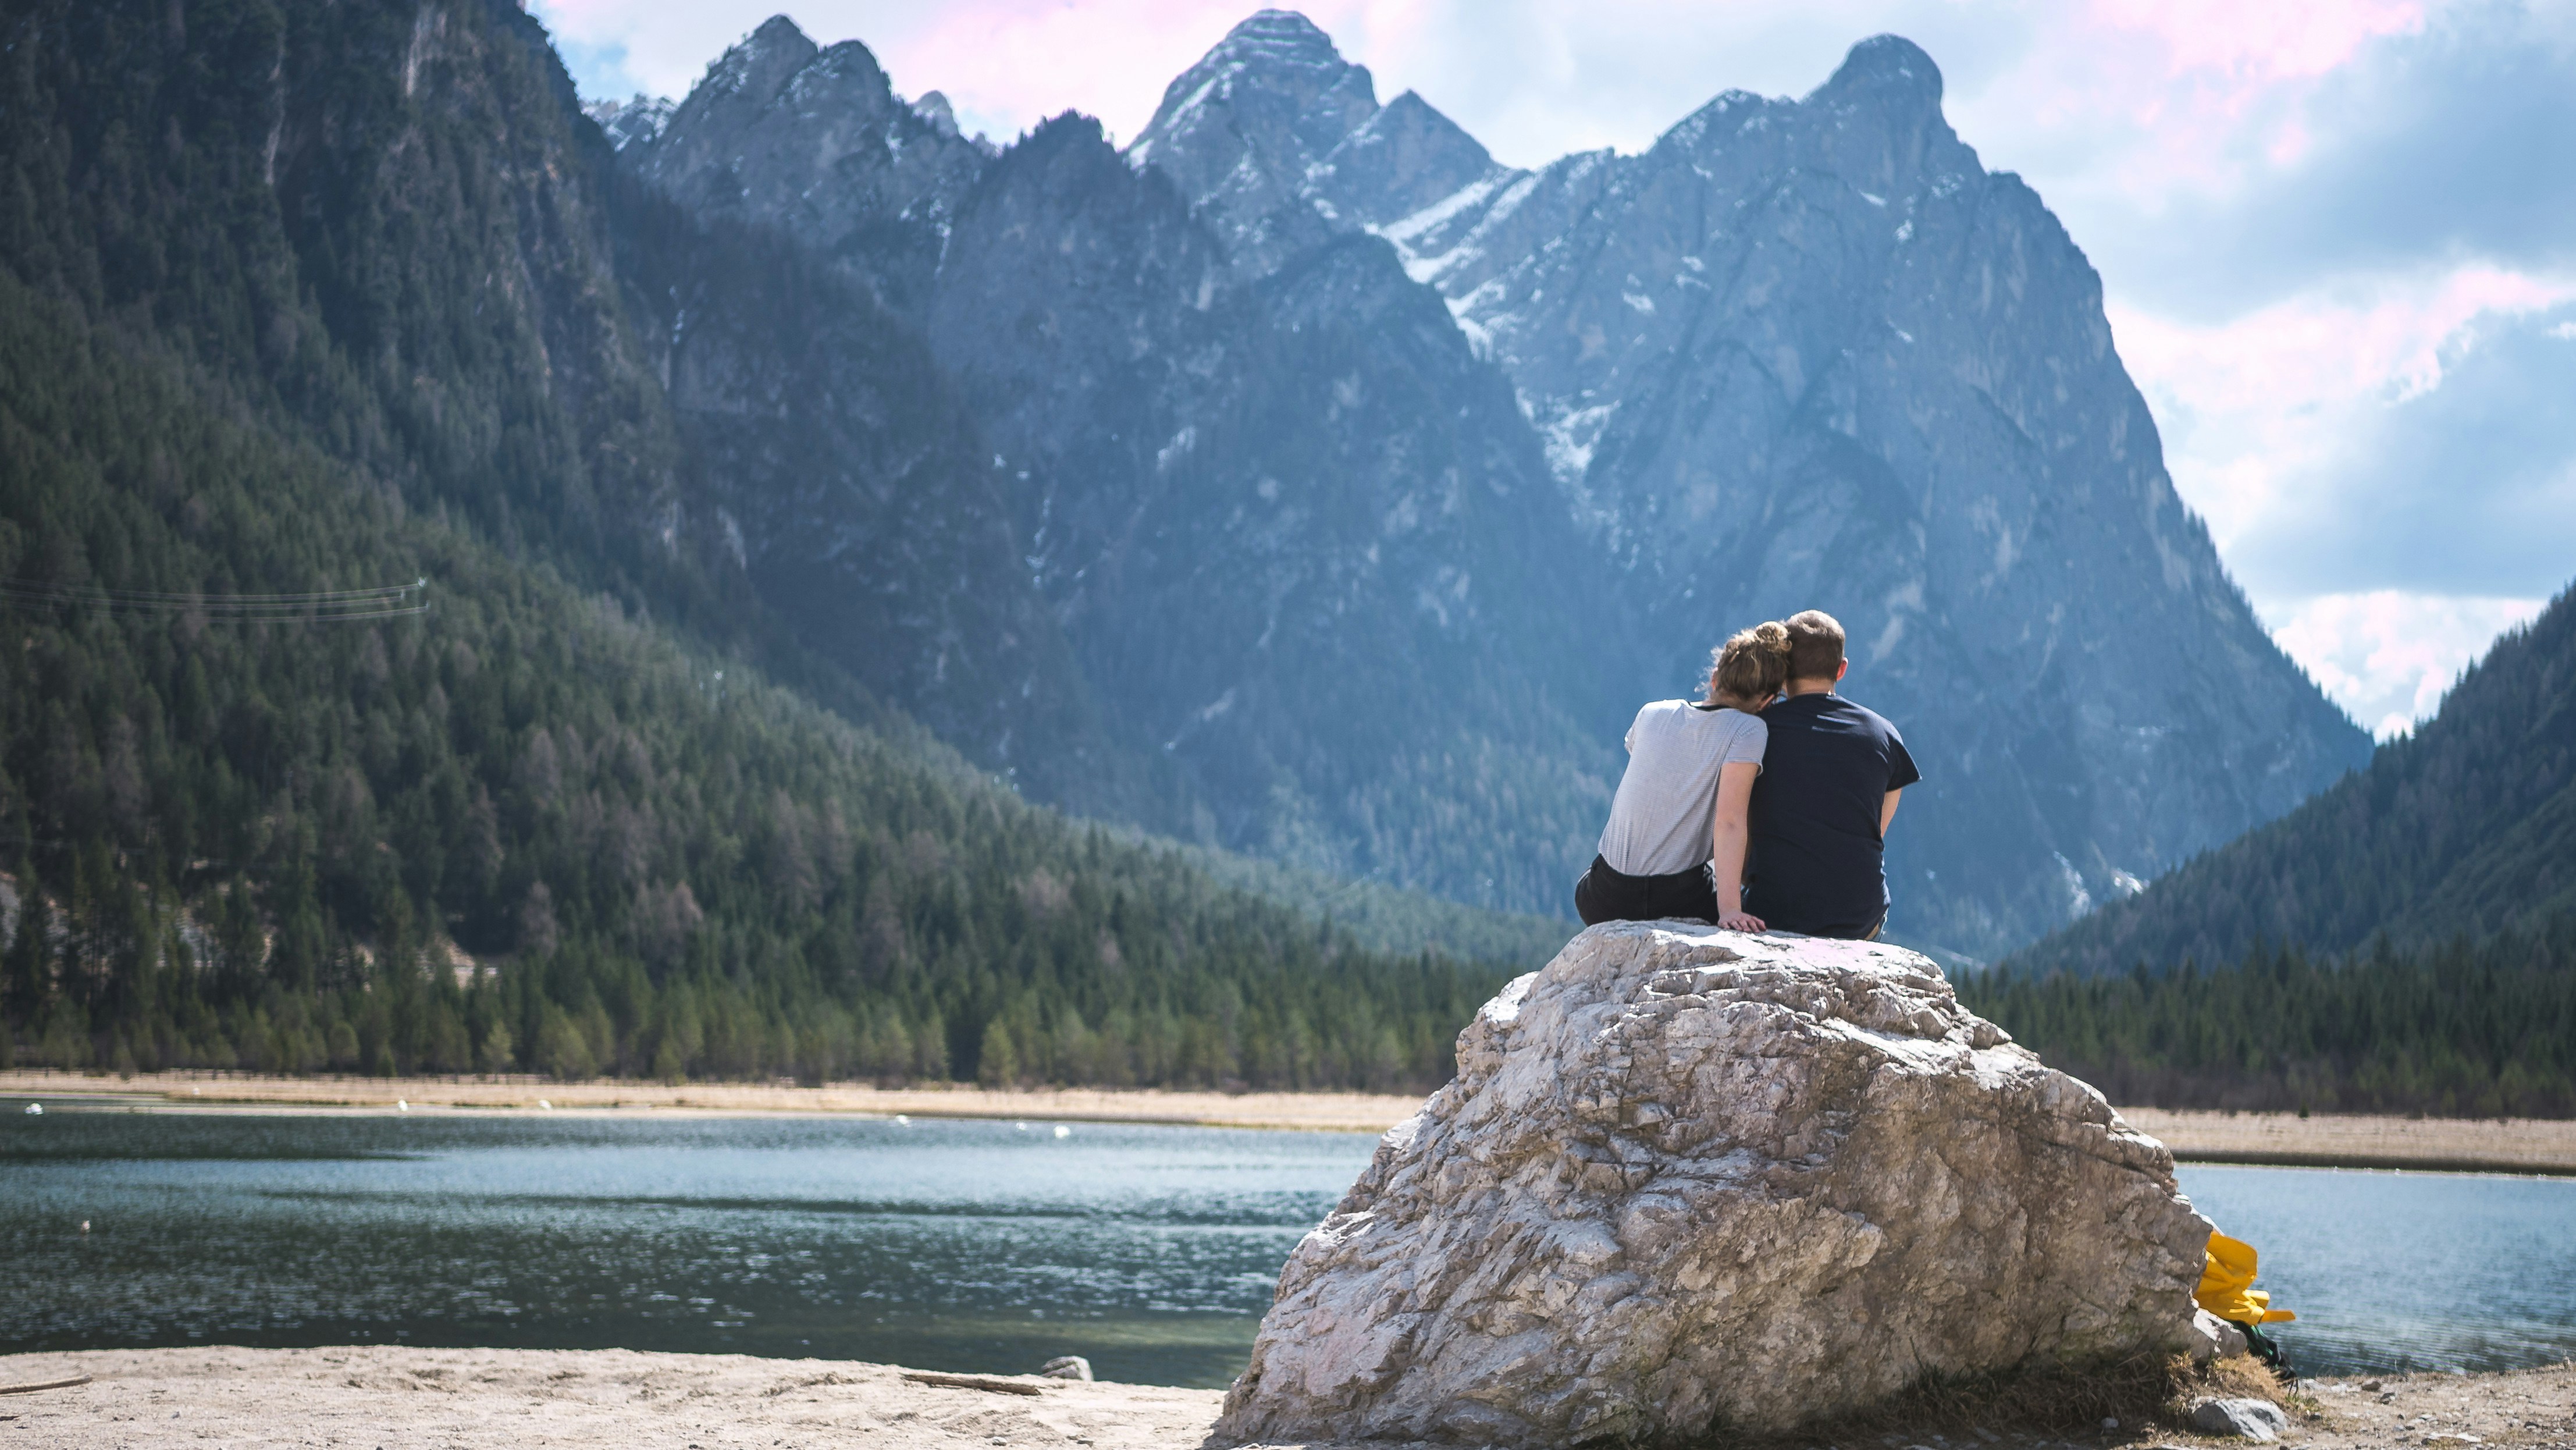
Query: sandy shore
(2518, 1145)
(1330, 1112)
(2458, 1145)
(400, 1399)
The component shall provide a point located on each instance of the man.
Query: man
(1827, 793)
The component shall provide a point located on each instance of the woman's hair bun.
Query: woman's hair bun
(1751, 666)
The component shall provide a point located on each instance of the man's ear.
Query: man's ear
(1841, 670)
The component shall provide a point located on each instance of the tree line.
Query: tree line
(532, 830)
(2482, 1028)
(2462, 828)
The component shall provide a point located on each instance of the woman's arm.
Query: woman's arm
(1726, 844)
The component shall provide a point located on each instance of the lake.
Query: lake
(954, 1245)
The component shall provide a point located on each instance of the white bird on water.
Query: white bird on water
(35, 1110)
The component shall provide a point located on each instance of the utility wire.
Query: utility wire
(326, 606)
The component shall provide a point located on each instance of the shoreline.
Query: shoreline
(2530, 1146)
(606, 1399)
(496, 1096)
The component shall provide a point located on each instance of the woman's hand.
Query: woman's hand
(1739, 921)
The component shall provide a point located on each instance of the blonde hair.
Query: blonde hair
(1751, 666)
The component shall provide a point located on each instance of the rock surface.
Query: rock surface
(2245, 1419)
(2211, 1337)
(1687, 1178)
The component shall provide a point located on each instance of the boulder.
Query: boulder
(2245, 1419)
(1066, 1367)
(1688, 1178)
(2211, 1337)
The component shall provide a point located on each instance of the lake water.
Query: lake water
(953, 1245)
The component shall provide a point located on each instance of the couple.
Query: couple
(1754, 810)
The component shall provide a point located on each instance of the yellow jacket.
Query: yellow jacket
(2227, 1284)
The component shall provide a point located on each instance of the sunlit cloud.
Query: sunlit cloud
(2388, 657)
(2257, 410)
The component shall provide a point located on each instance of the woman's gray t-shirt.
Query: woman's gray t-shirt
(1660, 820)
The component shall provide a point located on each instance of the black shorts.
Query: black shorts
(1840, 931)
(1602, 894)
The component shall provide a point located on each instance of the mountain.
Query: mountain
(1299, 540)
(2464, 830)
(466, 610)
(1810, 353)
(855, 164)
(1373, 483)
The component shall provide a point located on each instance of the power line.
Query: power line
(324, 606)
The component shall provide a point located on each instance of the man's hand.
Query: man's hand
(1740, 921)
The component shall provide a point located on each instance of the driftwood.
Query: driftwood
(971, 1382)
(29, 1389)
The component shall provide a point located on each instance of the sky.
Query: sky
(2337, 238)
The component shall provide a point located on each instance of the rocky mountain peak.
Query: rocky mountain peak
(933, 107)
(1239, 132)
(1279, 67)
(627, 123)
(1281, 39)
(760, 62)
(815, 141)
(1399, 161)
(1889, 69)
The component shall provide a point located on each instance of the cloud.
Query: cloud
(2454, 142)
(2266, 415)
(2403, 434)
(2387, 657)
(2385, 463)
(2468, 486)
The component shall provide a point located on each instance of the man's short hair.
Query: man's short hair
(1815, 645)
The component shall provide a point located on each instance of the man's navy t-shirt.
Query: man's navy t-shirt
(1816, 855)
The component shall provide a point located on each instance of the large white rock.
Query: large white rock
(1688, 1177)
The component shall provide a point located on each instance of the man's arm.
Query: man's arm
(1887, 811)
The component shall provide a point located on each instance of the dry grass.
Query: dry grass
(2060, 1399)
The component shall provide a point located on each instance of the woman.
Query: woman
(1675, 843)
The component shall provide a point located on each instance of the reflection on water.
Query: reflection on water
(949, 1245)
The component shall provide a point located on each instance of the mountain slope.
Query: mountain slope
(1292, 526)
(1303, 547)
(2464, 829)
(338, 297)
